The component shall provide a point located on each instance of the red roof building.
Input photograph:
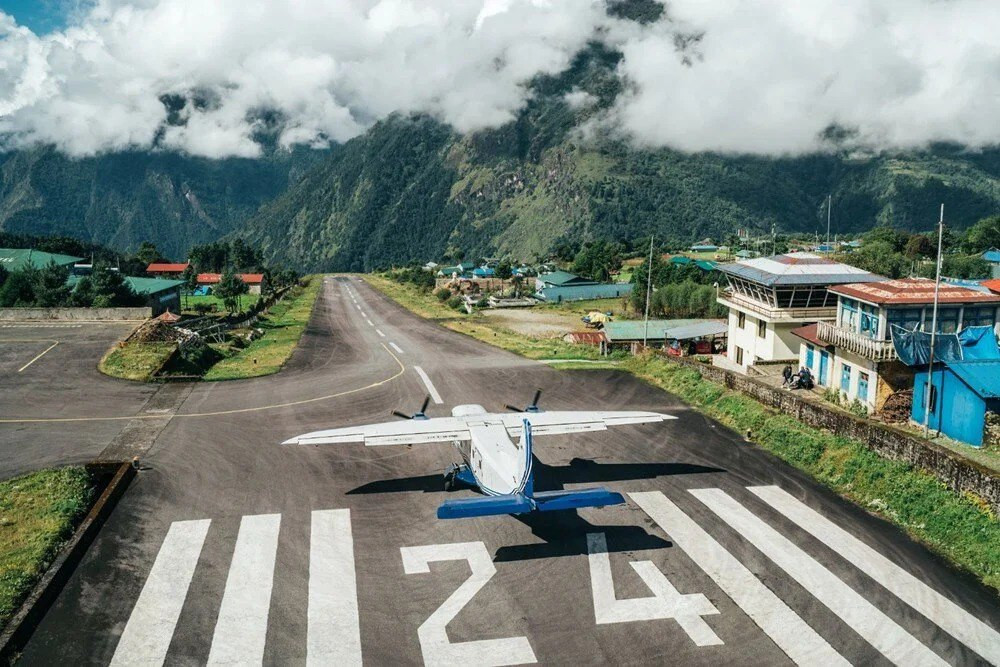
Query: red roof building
(254, 280)
(914, 291)
(167, 268)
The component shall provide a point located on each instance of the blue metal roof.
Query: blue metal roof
(981, 375)
(992, 255)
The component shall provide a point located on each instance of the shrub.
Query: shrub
(456, 302)
(443, 294)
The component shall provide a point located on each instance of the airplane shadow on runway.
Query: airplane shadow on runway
(564, 533)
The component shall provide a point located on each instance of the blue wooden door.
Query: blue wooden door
(824, 363)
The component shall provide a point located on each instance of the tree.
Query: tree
(110, 289)
(504, 272)
(879, 257)
(147, 253)
(51, 290)
(919, 246)
(190, 278)
(983, 235)
(19, 288)
(598, 259)
(895, 240)
(230, 289)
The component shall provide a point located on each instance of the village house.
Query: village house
(254, 281)
(769, 297)
(562, 286)
(167, 269)
(854, 353)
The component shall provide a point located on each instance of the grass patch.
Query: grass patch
(959, 526)
(412, 298)
(188, 303)
(37, 514)
(283, 325)
(135, 361)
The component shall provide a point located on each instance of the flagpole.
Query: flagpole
(649, 287)
(930, 363)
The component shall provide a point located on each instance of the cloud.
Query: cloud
(766, 76)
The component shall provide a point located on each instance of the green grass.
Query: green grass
(37, 514)
(283, 325)
(135, 361)
(188, 303)
(424, 304)
(959, 526)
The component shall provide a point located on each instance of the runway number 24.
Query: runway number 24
(665, 603)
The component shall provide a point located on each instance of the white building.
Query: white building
(768, 297)
(854, 354)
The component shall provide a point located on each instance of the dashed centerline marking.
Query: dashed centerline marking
(396, 347)
(370, 323)
(379, 332)
(430, 386)
(40, 355)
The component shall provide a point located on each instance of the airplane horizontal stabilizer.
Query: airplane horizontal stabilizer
(549, 501)
(469, 507)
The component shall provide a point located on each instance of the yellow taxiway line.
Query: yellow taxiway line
(40, 355)
(274, 406)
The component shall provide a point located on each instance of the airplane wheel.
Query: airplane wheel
(449, 482)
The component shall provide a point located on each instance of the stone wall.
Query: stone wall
(955, 471)
(74, 314)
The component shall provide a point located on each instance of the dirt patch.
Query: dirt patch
(541, 323)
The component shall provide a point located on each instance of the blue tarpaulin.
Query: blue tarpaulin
(913, 347)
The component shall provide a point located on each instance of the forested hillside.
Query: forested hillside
(411, 189)
(123, 199)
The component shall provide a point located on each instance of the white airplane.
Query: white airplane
(496, 450)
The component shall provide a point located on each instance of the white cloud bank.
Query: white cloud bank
(768, 76)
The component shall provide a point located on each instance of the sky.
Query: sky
(765, 77)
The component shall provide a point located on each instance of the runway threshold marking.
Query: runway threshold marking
(334, 630)
(891, 640)
(792, 635)
(430, 385)
(957, 622)
(150, 628)
(242, 625)
(39, 356)
(218, 413)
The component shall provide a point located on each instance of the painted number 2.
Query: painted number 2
(433, 634)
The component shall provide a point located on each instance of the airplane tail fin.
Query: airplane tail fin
(545, 501)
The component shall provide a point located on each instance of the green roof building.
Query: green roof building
(16, 259)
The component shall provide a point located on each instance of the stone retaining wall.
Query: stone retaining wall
(955, 471)
(74, 314)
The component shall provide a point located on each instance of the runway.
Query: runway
(231, 549)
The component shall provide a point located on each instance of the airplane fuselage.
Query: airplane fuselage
(499, 465)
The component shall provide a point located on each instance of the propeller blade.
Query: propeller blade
(423, 408)
(512, 408)
(538, 395)
(401, 414)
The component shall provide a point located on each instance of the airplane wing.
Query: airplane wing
(577, 421)
(402, 432)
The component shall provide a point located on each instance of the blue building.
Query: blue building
(561, 286)
(961, 393)
(992, 257)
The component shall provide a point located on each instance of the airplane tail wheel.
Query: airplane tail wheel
(449, 481)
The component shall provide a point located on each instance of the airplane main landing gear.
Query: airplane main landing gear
(457, 474)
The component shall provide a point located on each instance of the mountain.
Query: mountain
(122, 199)
(411, 189)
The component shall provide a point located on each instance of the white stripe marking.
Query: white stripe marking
(962, 625)
(379, 332)
(357, 306)
(242, 626)
(370, 323)
(40, 355)
(879, 630)
(430, 386)
(149, 629)
(396, 347)
(792, 635)
(334, 632)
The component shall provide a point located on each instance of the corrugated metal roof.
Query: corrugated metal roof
(912, 291)
(167, 267)
(151, 285)
(15, 259)
(696, 330)
(809, 333)
(992, 255)
(633, 329)
(585, 337)
(563, 278)
(982, 376)
(797, 268)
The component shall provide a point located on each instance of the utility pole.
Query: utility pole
(930, 362)
(829, 204)
(649, 289)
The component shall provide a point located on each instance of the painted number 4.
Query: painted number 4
(666, 601)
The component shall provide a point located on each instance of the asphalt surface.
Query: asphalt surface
(229, 548)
